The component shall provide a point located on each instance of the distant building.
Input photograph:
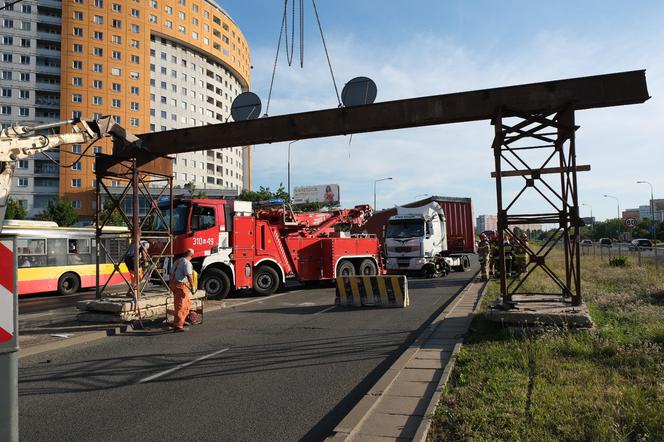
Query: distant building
(631, 213)
(588, 220)
(486, 222)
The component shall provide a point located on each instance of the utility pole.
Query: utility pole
(376, 181)
(618, 202)
(652, 208)
(592, 227)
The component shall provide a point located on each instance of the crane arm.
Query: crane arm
(19, 142)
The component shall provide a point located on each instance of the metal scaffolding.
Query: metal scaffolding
(154, 227)
(532, 148)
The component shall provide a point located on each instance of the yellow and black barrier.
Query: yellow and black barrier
(374, 291)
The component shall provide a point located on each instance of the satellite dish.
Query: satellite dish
(246, 106)
(359, 91)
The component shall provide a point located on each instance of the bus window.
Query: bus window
(78, 252)
(56, 252)
(31, 252)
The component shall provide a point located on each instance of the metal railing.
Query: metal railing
(636, 255)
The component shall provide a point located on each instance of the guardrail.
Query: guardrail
(638, 255)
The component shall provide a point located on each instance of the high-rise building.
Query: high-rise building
(486, 222)
(152, 64)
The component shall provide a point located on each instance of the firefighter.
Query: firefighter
(509, 255)
(181, 283)
(483, 251)
(520, 254)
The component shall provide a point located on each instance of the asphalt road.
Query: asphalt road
(287, 367)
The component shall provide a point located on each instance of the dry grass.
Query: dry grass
(603, 384)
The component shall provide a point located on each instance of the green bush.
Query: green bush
(618, 261)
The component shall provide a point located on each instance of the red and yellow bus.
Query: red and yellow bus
(62, 259)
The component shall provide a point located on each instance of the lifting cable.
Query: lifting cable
(290, 49)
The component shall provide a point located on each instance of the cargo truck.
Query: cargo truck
(236, 247)
(429, 237)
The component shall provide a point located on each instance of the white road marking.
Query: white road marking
(263, 299)
(180, 366)
(326, 310)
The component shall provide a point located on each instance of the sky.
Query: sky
(421, 48)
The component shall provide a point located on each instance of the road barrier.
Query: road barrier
(374, 291)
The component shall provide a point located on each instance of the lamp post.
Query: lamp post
(591, 217)
(652, 207)
(617, 202)
(376, 181)
(289, 149)
(421, 194)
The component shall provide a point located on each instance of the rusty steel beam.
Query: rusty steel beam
(577, 93)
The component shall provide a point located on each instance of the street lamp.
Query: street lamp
(591, 215)
(618, 202)
(421, 194)
(376, 181)
(652, 206)
(289, 145)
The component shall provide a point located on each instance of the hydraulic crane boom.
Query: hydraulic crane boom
(19, 142)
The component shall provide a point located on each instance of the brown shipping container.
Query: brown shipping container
(458, 217)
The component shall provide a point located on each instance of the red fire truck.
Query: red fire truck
(237, 248)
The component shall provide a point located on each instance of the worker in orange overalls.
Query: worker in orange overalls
(181, 283)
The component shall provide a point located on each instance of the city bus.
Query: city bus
(62, 259)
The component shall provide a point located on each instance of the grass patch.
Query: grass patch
(558, 384)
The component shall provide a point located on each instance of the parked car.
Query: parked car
(605, 242)
(639, 244)
(586, 243)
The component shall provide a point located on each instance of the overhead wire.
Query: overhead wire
(327, 54)
(276, 57)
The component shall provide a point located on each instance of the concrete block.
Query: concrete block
(539, 310)
(409, 406)
(412, 389)
(388, 425)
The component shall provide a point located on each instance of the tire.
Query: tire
(367, 268)
(465, 263)
(266, 280)
(216, 283)
(68, 284)
(345, 268)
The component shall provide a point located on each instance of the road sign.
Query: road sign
(8, 297)
(630, 222)
(651, 229)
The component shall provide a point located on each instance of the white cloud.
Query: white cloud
(622, 144)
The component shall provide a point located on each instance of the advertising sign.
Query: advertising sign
(326, 194)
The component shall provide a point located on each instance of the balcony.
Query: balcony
(45, 52)
(46, 168)
(48, 68)
(50, 19)
(51, 4)
(47, 102)
(47, 86)
(50, 36)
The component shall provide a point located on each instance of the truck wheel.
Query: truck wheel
(266, 280)
(465, 263)
(68, 284)
(368, 268)
(216, 283)
(345, 268)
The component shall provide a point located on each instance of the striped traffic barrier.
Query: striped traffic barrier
(375, 291)
(7, 319)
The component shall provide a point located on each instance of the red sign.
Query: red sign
(7, 319)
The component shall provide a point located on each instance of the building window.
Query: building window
(117, 8)
(24, 111)
(116, 87)
(99, 3)
(7, 23)
(194, 8)
(76, 182)
(182, 30)
(26, 9)
(134, 106)
(135, 29)
(25, 76)
(6, 92)
(133, 122)
(168, 10)
(78, 47)
(7, 75)
(163, 70)
(135, 13)
(97, 84)
(116, 55)
(78, 15)
(77, 64)
(116, 23)
(115, 103)
(97, 35)
(163, 114)
(97, 67)
(76, 148)
(153, 3)
(97, 100)
(97, 149)
(25, 59)
(7, 58)
(23, 164)
(7, 41)
(78, 32)
(76, 166)
(25, 42)
(153, 18)
(134, 75)
(22, 182)
(116, 72)
(98, 19)
(134, 90)
(77, 98)
(168, 24)
(135, 59)
(24, 94)
(76, 204)
(99, 52)
(182, 16)
(135, 44)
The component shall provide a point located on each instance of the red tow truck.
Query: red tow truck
(236, 247)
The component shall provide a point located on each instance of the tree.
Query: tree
(60, 211)
(264, 194)
(191, 188)
(15, 210)
(114, 217)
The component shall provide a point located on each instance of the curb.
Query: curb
(348, 427)
(425, 425)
